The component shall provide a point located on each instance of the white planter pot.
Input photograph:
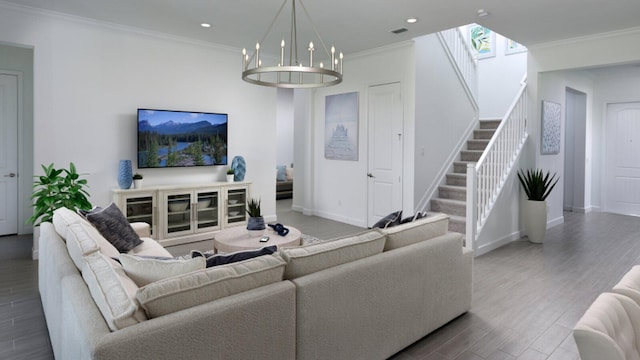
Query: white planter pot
(230, 177)
(535, 220)
(137, 184)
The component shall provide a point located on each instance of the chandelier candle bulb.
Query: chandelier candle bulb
(333, 57)
(311, 54)
(282, 53)
(257, 54)
(244, 59)
(341, 57)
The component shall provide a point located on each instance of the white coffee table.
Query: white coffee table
(238, 238)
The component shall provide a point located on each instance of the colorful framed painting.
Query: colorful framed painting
(483, 41)
(341, 127)
(551, 121)
(513, 47)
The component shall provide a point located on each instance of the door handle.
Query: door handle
(370, 175)
(10, 175)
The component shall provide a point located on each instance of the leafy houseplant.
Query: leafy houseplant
(537, 186)
(137, 176)
(256, 221)
(55, 189)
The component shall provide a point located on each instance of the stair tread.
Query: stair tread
(472, 151)
(450, 201)
(453, 187)
(458, 175)
(456, 218)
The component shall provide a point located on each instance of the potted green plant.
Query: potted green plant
(537, 185)
(230, 175)
(55, 189)
(256, 221)
(137, 180)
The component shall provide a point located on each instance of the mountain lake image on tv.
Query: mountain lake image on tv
(180, 138)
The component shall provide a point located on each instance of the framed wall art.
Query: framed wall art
(483, 41)
(513, 47)
(341, 127)
(551, 121)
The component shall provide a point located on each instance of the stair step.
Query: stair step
(477, 144)
(460, 167)
(448, 206)
(453, 192)
(490, 123)
(483, 133)
(457, 179)
(470, 155)
(458, 224)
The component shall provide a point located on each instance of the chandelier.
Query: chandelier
(297, 72)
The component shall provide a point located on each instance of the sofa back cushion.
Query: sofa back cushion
(144, 271)
(202, 286)
(419, 230)
(315, 257)
(83, 239)
(62, 218)
(112, 291)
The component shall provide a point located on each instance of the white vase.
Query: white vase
(137, 183)
(230, 177)
(535, 220)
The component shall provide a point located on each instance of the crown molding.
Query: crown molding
(580, 39)
(113, 26)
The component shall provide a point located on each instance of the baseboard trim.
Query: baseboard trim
(498, 243)
(342, 219)
(557, 221)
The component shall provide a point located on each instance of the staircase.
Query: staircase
(452, 196)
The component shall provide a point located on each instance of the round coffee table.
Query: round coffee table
(238, 238)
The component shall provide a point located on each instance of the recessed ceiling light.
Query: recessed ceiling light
(205, 25)
(412, 20)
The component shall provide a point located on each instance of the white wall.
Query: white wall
(284, 127)
(91, 77)
(499, 80)
(338, 189)
(443, 115)
(612, 49)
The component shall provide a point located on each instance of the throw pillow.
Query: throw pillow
(222, 259)
(289, 172)
(282, 175)
(144, 271)
(390, 220)
(112, 224)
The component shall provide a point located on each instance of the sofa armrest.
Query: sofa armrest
(142, 229)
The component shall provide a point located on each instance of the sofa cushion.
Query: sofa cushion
(425, 228)
(144, 271)
(202, 286)
(149, 247)
(62, 218)
(390, 220)
(83, 239)
(112, 291)
(281, 174)
(113, 225)
(315, 257)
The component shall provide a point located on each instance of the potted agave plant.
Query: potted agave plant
(256, 221)
(137, 180)
(230, 175)
(537, 185)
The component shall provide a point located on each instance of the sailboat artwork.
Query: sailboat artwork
(341, 127)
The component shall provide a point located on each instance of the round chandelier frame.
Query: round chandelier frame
(296, 74)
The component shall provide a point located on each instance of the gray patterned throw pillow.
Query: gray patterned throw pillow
(112, 224)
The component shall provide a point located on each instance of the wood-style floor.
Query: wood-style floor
(527, 297)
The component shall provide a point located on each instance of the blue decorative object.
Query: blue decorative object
(239, 168)
(125, 174)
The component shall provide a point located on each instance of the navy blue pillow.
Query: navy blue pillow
(390, 220)
(114, 226)
(222, 259)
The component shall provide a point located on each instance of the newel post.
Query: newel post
(472, 207)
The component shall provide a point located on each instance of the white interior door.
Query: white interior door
(9, 154)
(385, 151)
(622, 170)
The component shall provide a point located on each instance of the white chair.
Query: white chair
(629, 285)
(609, 329)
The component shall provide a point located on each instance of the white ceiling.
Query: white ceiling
(355, 25)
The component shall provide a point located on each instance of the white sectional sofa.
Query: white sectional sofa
(365, 296)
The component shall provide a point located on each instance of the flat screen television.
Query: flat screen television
(168, 138)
